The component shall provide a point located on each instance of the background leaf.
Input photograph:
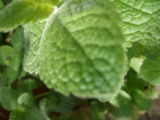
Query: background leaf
(11, 58)
(27, 114)
(23, 8)
(140, 20)
(150, 70)
(8, 98)
(142, 102)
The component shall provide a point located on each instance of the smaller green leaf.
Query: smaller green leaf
(134, 82)
(150, 70)
(23, 11)
(141, 101)
(97, 111)
(137, 50)
(8, 98)
(27, 85)
(136, 63)
(26, 99)
(152, 93)
(18, 40)
(27, 114)
(6, 53)
(43, 108)
(10, 60)
(61, 103)
(123, 104)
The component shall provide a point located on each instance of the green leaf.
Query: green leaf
(27, 114)
(97, 111)
(10, 61)
(1, 4)
(134, 82)
(81, 50)
(140, 20)
(136, 63)
(8, 98)
(26, 99)
(32, 34)
(43, 108)
(16, 57)
(6, 53)
(18, 41)
(141, 101)
(23, 11)
(123, 104)
(61, 104)
(27, 85)
(11, 58)
(150, 70)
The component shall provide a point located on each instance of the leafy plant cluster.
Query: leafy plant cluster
(98, 59)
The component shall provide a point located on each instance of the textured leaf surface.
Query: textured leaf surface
(33, 34)
(141, 20)
(81, 50)
(23, 11)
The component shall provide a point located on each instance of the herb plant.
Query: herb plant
(96, 58)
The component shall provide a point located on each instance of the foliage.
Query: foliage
(96, 58)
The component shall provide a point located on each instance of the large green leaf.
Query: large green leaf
(81, 50)
(140, 20)
(23, 11)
